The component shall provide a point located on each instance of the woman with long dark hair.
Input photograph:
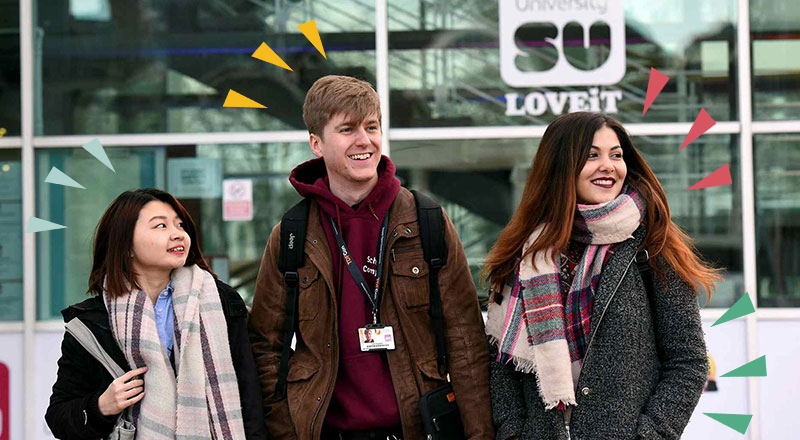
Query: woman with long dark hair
(593, 317)
(160, 313)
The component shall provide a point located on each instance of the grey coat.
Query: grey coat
(643, 371)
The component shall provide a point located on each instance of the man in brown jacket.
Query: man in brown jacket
(338, 388)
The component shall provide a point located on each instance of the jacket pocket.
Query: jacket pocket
(300, 382)
(410, 279)
(301, 369)
(429, 371)
(310, 293)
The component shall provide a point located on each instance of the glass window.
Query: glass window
(711, 216)
(446, 64)
(9, 68)
(194, 174)
(777, 181)
(154, 67)
(10, 236)
(775, 35)
(480, 183)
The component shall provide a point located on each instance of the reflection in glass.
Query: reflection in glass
(711, 216)
(194, 174)
(10, 236)
(64, 256)
(777, 181)
(444, 64)
(480, 183)
(774, 29)
(9, 68)
(154, 67)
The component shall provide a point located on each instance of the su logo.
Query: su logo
(561, 42)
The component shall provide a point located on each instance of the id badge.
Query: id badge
(376, 337)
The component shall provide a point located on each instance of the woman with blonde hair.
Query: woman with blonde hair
(593, 318)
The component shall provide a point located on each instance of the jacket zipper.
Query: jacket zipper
(334, 363)
(599, 321)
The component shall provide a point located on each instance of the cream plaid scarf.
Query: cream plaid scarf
(203, 403)
(530, 326)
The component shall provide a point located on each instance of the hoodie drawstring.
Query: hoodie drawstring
(369, 205)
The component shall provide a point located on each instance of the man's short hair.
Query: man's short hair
(334, 94)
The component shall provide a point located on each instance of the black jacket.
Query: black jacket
(73, 411)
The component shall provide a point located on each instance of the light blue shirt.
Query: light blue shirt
(165, 321)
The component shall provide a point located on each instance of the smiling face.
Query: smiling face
(351, 149)
(604, 173)
(160, 242)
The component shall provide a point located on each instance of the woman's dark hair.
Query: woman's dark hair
(550, 198)
(113, 244)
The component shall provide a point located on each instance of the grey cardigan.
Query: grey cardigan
(643, 371)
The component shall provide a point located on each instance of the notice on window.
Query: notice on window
(194, 178)
(237, 200)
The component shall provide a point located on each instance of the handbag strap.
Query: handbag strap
(646, 271)
(86, 338)
(434, 250)
(88, 341)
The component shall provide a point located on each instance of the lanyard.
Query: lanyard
(373, 295)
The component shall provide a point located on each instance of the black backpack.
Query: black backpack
(290, 259)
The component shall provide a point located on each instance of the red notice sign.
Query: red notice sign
(5, 404)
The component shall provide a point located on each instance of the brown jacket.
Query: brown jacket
(404, 305)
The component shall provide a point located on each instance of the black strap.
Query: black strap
(290, 258)
(373, 295)
(643, 262)
(434, 250)
(646, 271)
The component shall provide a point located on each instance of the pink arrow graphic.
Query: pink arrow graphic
(718, 178)
(654, 86)
(700, 126)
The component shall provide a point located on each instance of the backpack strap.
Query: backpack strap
(290, 259)
(434, 250)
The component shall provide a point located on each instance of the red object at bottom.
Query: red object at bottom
(5, 405)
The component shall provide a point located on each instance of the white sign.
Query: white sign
(556, 15)
(536, 103)
(194, 178)
(237, 200)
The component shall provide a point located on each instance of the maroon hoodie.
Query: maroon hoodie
(363, 397)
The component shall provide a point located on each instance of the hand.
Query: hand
(122, 393)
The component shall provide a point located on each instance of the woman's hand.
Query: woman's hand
(122, 393)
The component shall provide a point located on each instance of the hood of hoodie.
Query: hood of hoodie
(310, 179)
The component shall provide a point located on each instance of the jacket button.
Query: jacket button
(585, 391)
(313, 241)
(305, 279)
(415, 270)
(408, 230)
(319, 398)
(394, 234)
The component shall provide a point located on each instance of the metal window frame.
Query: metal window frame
(10, 143)
(28, 143)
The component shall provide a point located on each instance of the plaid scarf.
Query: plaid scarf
(203, 401)
(555, 336)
